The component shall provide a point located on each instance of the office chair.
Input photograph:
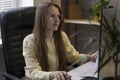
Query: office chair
(15, 25)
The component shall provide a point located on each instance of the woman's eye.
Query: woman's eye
(54, 16)
(51, 16)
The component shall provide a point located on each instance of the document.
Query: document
(87, 69)
(0, 41)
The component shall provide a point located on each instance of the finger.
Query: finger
(55, 79)
(62, 76)
(93, 59)
(58, 77)
(67, 76)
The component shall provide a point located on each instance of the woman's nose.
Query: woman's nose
(56, 18)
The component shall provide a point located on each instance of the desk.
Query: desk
(87, 69)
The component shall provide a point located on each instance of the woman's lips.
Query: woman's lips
(55, 24)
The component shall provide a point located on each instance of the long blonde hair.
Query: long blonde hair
(39, 33)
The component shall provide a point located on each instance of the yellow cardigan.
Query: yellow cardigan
(33, 70)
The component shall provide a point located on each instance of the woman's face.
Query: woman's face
(53, 18)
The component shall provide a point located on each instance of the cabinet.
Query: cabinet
(83, 34)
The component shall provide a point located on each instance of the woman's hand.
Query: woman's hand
(93, 57)
(59, 75)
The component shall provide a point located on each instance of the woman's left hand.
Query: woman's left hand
(93, 57)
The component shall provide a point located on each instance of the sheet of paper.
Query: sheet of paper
(87, 69)
(0, 41)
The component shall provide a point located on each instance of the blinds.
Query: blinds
(7, 4)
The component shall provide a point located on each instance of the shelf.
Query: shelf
(87, 22)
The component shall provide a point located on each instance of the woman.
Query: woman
(48, 49)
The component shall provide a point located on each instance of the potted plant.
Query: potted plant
(110, 45)
(95, 10)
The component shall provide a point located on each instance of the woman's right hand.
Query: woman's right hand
(59, 75)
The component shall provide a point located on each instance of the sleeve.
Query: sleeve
(71, 54)
(32, 68)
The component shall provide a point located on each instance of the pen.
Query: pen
(75, 62)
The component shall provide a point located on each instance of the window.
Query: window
(6, 4)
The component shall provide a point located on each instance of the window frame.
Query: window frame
(7, 4)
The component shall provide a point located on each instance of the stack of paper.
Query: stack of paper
(87, 69)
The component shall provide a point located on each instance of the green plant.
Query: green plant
(111, 41)
(95, 10)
